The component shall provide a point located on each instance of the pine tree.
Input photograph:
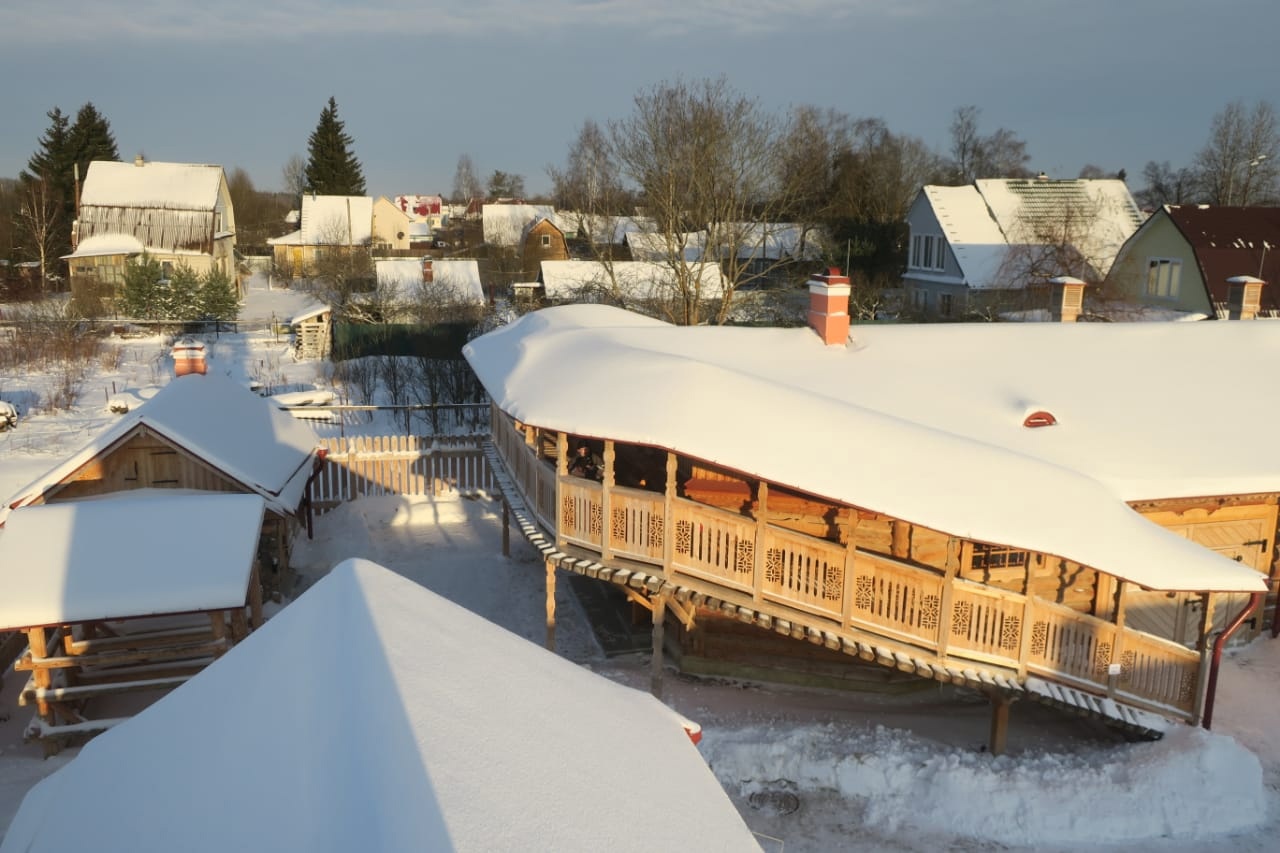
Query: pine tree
(332, 169)
(141, 296)
(90, 139)
(218, 296)
(182, 301)
(64, 147)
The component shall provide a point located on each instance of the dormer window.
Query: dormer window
(928, 252)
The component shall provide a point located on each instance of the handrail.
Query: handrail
(847, 590)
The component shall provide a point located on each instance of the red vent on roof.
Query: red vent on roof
(1039, 419)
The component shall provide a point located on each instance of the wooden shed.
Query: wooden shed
(204, 433)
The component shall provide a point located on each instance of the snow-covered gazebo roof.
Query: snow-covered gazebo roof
(222, 423)
(132, 554)
(925, 423)
(413, 724)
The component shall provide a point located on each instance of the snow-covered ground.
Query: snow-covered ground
(810, 770)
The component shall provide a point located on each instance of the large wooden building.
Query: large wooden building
(1044, 510)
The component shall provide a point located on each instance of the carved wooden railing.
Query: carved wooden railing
(854, 590)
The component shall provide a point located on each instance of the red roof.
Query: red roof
(1233, 241)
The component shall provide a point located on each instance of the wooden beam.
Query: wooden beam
(562, 471)
(255, 598)
(551, 604)
(901, 544)
(606, 503)
(659, 630)
(762, 539)
(1117, 648)
(999, 722)
(506, 527)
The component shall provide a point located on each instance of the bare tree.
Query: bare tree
(40, 215)
(466, 185)
(1000, 154)
(1165, 185)
(1240, 164)
(294, 175)
(704, 160)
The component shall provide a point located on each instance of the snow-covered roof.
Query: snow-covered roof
(985, 221)
(173, 186)
(336, 220)
(504, 223)
(636, 280)
(457, 276)
(487, 742)
(652, 246)
(107, 244)
(925, 422)
(773, 241)
(130, 554)
(222, 423)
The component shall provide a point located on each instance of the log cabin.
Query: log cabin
(1065, 512)
(203, 433)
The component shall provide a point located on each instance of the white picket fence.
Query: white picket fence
(368, 466)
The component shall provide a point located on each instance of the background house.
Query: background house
(330, 225)
(426, 289)
(1183, 255)
(178, 213)
(542, 241)
(976, 248)
(505, 224)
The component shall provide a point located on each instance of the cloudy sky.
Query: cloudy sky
(419, 82)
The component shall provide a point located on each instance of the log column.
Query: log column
(659, 631)
(551, 605)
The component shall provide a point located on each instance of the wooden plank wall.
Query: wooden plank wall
(142, 462)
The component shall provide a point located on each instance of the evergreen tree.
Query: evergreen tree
(182, 297)
(332, 169)
(218, 296)
(90, 139)
(64, 147)
(142, 294)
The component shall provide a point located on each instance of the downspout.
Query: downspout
(1218, 645)
(321, 454)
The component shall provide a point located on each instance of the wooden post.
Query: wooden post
(562, 471)
(999, 723)
(762, 532)
(850, 568)
(1205, 647)
(255, 598)
(668, 516)
(1117, 648)
(551, 605)
(38, 642)
(506, 528)
(900, 546)
(606, 503)
(659, 630)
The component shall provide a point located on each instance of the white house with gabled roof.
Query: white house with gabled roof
(328, 224)
(980, 247)
(176, 213)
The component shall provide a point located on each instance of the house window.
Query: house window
(166, 270)
(546, 241)
(1164, 275)
(987, 557)
(944, 304)
(920, 298)
(927, 252)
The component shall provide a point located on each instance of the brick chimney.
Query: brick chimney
(1066, 298)
(189, 357)
(829, 306)
(1244, 297)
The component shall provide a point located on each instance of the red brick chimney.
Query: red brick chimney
(829, 306)
(188, 357)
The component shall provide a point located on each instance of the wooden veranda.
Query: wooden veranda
(880, 588)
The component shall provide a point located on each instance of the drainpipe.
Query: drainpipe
(1218, 645)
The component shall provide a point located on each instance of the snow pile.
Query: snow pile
(1191, 785)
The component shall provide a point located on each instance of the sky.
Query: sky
(420, 82)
